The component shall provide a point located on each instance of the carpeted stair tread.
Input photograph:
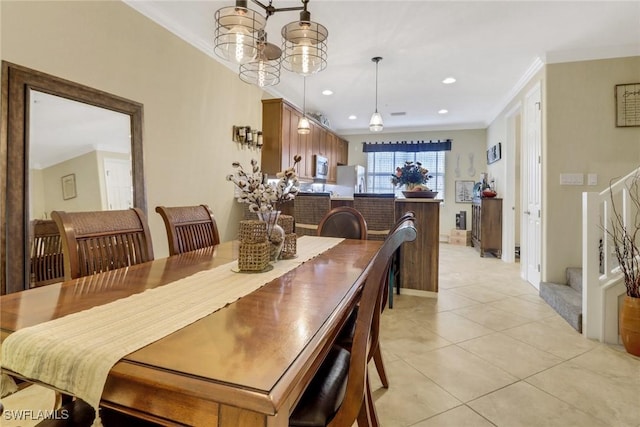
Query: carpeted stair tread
(565, 300)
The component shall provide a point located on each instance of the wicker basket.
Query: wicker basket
(290, 246)
(254, 256)
(252, 231)
(286, 222)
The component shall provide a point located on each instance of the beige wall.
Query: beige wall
(465, 143)
(581, 137)
(190, 100)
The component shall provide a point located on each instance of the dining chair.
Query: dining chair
(340, 393)
(76, 413)
(345, 338)
(46, 259)
(93, 242)
(345, 222)
(189, 228)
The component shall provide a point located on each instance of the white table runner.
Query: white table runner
(75, 353)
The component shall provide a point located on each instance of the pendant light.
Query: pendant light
(237, 32)
(375, 124)
(240, 38)
(304, 128)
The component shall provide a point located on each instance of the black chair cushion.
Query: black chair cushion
(345, 338)
(324, 395)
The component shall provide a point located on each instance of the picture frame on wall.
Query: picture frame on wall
(494, 153)
(627, 105)
(464, 191)
(69, 186)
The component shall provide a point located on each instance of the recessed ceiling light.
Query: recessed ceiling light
(449, 80)
(352, 117)
(327, 92)
(443, 111)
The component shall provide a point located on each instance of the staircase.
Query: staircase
(603, 284)
(566, 298)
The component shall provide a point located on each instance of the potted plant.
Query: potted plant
(625, 237)
(414, 177)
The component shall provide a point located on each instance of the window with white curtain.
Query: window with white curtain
(381, 165)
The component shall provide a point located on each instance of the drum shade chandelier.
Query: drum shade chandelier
(241, 38)
(375, 124)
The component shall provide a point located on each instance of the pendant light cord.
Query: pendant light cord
(376, 59)
(304, 96)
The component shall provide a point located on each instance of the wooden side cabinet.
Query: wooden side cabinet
(486, 226)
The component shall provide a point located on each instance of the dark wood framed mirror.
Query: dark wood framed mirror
(18, 82)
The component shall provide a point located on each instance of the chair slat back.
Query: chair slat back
(367, 323)
(189, 228)
(46, 259)
(345, 222)
(103, 240)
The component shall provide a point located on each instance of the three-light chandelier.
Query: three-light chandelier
(241, 37)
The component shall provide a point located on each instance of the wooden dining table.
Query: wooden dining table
(245, 364)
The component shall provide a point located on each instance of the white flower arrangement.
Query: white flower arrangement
(260, 195)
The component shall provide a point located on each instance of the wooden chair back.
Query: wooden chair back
(344, 222)
(189, 228)
(357, 402)
(99, 241)
(46, 260)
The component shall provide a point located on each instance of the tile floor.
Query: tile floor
(489, 352)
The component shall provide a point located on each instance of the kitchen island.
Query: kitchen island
(419, 259)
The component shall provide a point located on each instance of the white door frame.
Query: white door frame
(509, 199)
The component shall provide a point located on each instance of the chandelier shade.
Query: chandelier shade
(305, 46)
(375, 124)
(237, 33)
(265, 69)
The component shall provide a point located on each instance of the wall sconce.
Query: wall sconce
(246, 136)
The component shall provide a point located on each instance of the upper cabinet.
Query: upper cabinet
(281, 141)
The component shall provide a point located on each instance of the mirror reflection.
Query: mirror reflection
(79, 157)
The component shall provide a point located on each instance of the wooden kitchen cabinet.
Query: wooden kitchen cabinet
(281, 141)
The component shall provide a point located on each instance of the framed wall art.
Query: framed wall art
(628, 105)
(69, 186)
(494, 153)
(464, 191)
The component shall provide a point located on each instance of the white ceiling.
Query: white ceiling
(491, 47)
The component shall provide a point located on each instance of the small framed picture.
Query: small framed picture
(69, 186)
(494, 153)
(628, 105)
(464, 191)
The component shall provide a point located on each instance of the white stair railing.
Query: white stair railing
(602, 281)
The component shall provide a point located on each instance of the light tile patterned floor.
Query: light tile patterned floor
(489, 352)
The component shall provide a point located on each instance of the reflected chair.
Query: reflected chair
(343, 222)
(99, 241)
(46, 259)
(327, 401)
(189, 228)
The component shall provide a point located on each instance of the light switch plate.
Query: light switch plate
(592, 179)
(571, 179)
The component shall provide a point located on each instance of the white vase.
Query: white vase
(275, 233)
